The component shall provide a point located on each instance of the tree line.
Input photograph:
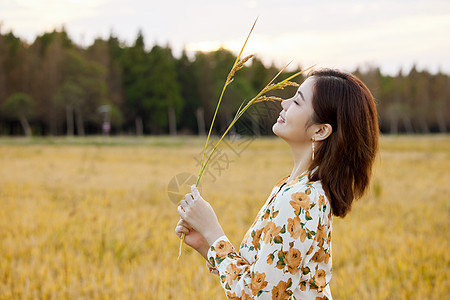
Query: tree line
(56, 87)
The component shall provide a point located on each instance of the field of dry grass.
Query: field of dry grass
(91, 218)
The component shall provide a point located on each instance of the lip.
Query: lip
(281, 119)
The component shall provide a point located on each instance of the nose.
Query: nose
(286, 103)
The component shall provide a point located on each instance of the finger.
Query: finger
(184, 204)
(180, 234)
(179, 230)
(185, 224)
(181, 212)
(195, 192)
(189, 198)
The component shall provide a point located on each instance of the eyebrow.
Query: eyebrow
(301, 95)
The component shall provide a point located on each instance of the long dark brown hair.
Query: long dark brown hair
(345, 158)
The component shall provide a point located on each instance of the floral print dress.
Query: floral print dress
(286, 253)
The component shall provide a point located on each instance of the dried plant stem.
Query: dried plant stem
(256, 99)
(236, 66)
(183, 236)
(233, 70)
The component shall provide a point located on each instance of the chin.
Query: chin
(276, 130)
(282, 134)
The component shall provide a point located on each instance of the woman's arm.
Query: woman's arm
(280, 247)
(283, 247)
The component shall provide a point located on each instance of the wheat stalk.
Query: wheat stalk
(236, 67)
(260, 97)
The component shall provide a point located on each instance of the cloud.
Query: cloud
(391, 43)
(341, 33)
(30, 18)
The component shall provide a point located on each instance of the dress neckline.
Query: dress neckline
(288, 178)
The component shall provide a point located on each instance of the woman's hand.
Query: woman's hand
(192, 238)
(200, 216)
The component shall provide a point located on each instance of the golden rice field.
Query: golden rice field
(91, 218)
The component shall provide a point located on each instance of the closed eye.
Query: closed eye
(296, 102)
(301, 95)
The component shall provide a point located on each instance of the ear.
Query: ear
(322, 132)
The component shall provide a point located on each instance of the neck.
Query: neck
(302, 159)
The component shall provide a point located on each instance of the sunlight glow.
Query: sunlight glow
(385, 33)
(48, 14)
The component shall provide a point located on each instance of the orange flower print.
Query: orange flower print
(223, 248)
(256, 235)
(285, 239)
(292, 260)
(232, 296)
(280, 290)
(321, 201)
(271, 231)
(293, 227)
(321, 234)
(306, 270)
(300, 200)
(233, 272)
(320, 255)
(246, 297)
(258, 282)
(319, 278)
(241, 262)
(312, 284)
(281, 256)
(302, 235)
(308, 216)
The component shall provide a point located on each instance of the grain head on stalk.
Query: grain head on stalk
(260, 97)
(237, 67)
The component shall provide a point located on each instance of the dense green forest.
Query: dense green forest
(56, 87)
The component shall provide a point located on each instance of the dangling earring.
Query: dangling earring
(313, 140)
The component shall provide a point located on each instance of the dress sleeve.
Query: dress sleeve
(281, 248)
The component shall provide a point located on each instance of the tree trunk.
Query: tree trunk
(172, 121)
(393, 124)
(423, 125)
(80, 123)
(139, 126)
(408, 125)
(441, 121)
(25, 125)
(200, 114)
(69, 117)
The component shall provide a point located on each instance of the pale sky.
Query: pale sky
(330, 33)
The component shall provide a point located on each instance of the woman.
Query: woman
(332, 129)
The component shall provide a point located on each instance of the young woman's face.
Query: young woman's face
(293, 123)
